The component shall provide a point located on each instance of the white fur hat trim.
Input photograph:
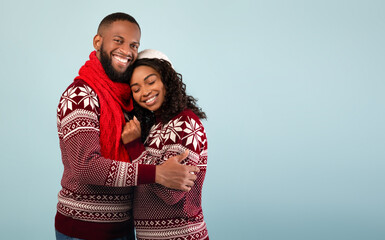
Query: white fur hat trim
(151, 53)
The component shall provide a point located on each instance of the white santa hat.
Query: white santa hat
(152, 53)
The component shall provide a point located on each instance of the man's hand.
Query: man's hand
(131, 131)
(173, 174)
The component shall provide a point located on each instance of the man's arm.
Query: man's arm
(171, 173)
(79, 134)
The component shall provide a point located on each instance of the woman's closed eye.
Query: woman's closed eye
(135, 89)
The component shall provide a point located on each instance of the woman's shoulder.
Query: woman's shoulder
(187, 114)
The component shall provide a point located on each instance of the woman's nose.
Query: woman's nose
(146, 92)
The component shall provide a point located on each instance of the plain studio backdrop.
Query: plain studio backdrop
(294, 92)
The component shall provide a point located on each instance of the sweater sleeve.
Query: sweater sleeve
(79, 135)
(180, 134)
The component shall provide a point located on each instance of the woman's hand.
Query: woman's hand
(131, 131)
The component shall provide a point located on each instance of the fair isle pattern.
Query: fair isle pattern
(95, 212)
(175, 149)
(69, 97)
(172, 131)
(155, 135)
(194, 231)
(194, 132)
(101, 194)
(92, 216)
(177, 223)
(149, 159)
(156, 156)
(164, 213)
(95, 207)
(102, 198)
(122, 174)
(66, 100)
(79, 119)
(89, 97)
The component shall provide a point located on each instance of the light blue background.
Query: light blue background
(294, 92)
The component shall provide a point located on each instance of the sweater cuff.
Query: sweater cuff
(135, 149)
(146, 174)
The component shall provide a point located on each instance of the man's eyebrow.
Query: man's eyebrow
(134, 42)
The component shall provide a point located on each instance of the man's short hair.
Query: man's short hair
(118, 16)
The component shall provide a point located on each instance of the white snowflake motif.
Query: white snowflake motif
(155, 136)
(89, 97)
(148, 159)
(194, 132)
(67, 99)
(171, 130)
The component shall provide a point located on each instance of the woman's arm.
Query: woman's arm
(181, 134)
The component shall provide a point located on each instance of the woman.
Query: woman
(169, 125)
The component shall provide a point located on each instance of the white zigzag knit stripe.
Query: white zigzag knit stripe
(136, 176)
(94, 207)
(171, 232)
(79, 113)
(122, 172)
(76, 114)
(79, 128)
(176, 148)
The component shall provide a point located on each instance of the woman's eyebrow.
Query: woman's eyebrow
(152, 74)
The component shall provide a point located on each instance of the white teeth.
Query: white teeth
(151, 99)
(120, 59)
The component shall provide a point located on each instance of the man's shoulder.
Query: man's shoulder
(78, 96)
(78, 83)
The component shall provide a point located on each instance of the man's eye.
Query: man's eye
(118, 41)
(135, 46)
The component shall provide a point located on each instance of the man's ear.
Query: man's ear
(97, 42)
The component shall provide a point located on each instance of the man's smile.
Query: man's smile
(121, 59)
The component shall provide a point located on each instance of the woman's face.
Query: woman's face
(147, 88)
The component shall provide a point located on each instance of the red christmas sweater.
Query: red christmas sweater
(95, 201)
(164, 213)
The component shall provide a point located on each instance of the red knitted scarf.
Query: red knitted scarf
(113, 97)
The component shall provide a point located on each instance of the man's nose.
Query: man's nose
(126, 49)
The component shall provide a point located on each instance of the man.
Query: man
(96, 195)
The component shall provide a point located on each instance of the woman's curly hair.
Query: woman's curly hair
(176, 99)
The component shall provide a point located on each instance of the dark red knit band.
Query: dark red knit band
(146, 174)
(92, 230)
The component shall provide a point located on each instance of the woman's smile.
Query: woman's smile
(151, 100)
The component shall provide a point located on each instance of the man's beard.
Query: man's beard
(115, 76)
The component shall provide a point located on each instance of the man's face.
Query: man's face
(117, 46)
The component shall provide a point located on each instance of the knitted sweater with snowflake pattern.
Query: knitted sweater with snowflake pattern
(95, 201)
(160, 212)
